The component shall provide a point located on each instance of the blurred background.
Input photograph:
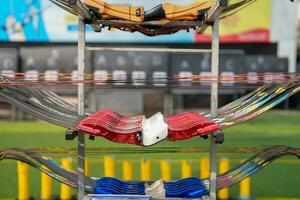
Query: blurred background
(38, 37)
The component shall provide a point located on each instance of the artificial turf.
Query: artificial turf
(281, 179)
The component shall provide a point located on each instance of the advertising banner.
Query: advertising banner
(252, 24)
(42, 21)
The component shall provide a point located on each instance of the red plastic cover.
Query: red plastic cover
(122, 129)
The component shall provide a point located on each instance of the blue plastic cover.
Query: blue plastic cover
(185, 188)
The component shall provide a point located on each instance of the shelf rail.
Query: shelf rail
(214, 108)
(81, 106)
(150, 49)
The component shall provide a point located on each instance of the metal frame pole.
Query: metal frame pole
(81, 136)
(214, 107)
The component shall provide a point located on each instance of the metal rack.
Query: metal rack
(211, 19)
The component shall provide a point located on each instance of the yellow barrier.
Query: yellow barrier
(86, 167)
(204, 168)
(46, 185)
(23, 180)
(66, 191)
(165, 170)
(109, 166)
(245, 188)
(127, 170)
(223, 167)
(186, 169)
(146, 170)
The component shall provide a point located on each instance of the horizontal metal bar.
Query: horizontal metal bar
(143, 49)
(150, 23)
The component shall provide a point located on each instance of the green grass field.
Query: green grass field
(281, 179)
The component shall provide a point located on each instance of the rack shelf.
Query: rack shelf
(211, 18)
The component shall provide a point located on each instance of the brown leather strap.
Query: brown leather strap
(110, 11)
(190, 12)
(136, 14)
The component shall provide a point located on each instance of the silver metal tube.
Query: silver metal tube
(214, 107)
(81, 136)
(149, 49)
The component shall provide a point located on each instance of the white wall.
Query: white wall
(284, 29)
